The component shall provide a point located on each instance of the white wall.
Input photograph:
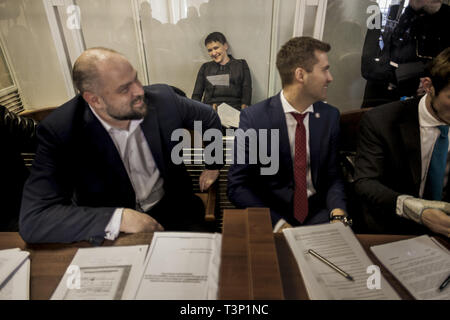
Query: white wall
(345, 30)
(175, 51)
(110, 24)
(27, 38)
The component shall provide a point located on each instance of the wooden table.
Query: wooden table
(293, 284)
(50, 261)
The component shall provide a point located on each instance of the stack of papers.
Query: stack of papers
(175, 266)
(14, 275)
(421, 264)
(108, 273)
(338, 244)
(229, 116)
(181, 266)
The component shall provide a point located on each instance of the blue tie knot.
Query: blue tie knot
(444, 130)
(436, 171)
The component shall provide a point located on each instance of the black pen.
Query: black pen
(444, 284)
(331, 265)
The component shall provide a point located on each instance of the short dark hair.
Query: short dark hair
(439, 71)
(215, 37)
(84, 73)
(298, 52)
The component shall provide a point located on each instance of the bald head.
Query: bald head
(109, 84)
(90, 66)
(429, 6)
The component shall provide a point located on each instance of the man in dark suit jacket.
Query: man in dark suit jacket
(17, 134)
(395, 148)
(103, 162)
(303, 66)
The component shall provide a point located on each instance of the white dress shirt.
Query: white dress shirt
(141, 169)
(428, 136)
(291, 124)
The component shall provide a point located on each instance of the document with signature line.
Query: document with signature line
(181, 266)
(14, 274)
(104, 273)
(338, 244)
(421, 264)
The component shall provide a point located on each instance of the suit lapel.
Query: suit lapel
(278, 118)
(151, 130)
(410, 133)
(102, 146)
(315, 139)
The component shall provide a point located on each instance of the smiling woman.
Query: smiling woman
(224, 79)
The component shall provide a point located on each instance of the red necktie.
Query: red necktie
(300, 167)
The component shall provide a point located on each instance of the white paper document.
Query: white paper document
(105, 273)
(229, 116)
(10, 259)
(181, 266)
(16, 284)
(219, 80)
(336, 243)
(420, 264)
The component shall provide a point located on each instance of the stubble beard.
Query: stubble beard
(134, 113)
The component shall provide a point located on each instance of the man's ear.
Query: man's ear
(428, 85)
(300, 74)
(91, 98)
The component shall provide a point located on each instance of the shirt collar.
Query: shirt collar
(426, 119)
(133, 124)
(288, 108)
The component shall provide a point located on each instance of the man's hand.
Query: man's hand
(243, 106)
(207, 178)
(437, 221)
(134, 222)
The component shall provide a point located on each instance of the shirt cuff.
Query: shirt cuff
(279, 225)
(113, 227)
(399, 209)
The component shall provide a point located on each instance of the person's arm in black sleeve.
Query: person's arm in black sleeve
(48, 213)
(369, 168)
(21, 130)
(241, 176)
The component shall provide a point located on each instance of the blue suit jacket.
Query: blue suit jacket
(248, 188)
(78, 178)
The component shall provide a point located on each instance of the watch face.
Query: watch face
(342, 218)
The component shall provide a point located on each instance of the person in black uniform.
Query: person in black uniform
(17, 134)
(224, 79)
(410, 42)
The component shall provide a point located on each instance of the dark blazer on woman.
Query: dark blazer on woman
(237, 93)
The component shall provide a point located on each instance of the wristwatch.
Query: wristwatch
(343, 218)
